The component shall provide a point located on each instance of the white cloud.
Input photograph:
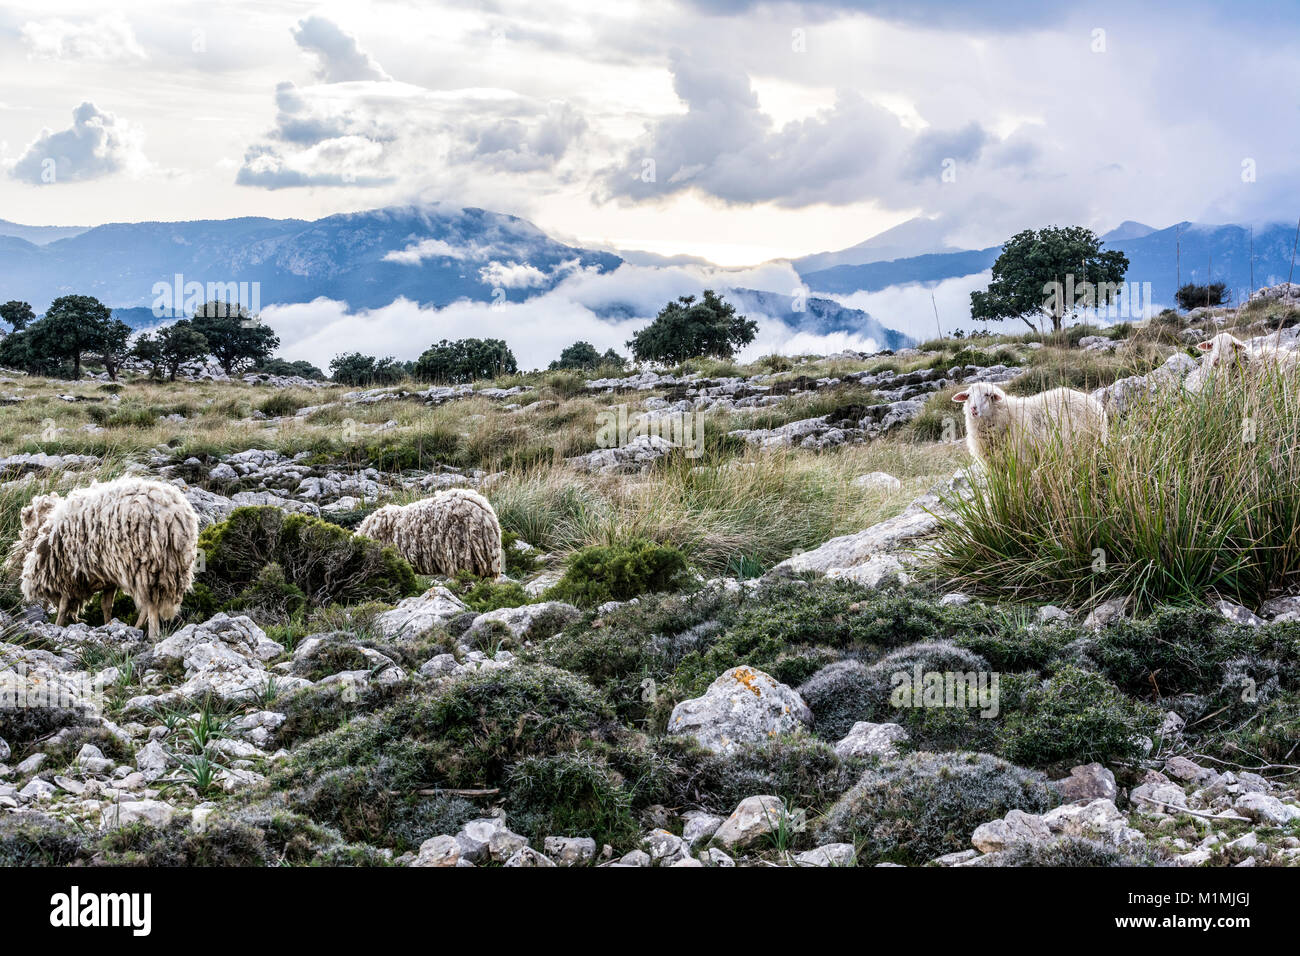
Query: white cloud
(96, 145)
(339, 58)
(106, 39)
(413, 255)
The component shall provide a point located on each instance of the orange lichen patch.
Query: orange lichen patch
(747, 678)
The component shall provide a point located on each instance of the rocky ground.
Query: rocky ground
(746, 719)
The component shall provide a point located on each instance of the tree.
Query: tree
(114, 346)
(279, 366)
(72, 324)
(465, 360)
(612, 358)
(235, 337)
(179, 343)
(17, 314)
(16, 353)
(1191, 296)
(1049, 274)
(579, 355)
(148, 349)
(688, 329)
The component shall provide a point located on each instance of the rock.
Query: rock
(753, 819)
(878, 481)
(1051, 614)
(699, 828)
(831, 854)
(1105, 613)
(1172, 725)
(37, 789)
(1098, 820)
(90, 759)
(527, 856)
(570, 851)
(1017, 827)
(635, 858)
(1180, 768)
(665, 847)
(1238, 614)
(871, 740)
(716, 857)
(439, 851)
(685, 861)
(415, 615)
(1266, 810)
(1194, 858)
(877, 568)
(955, 859)
(1086, 783)
(5, 752)
(153, 812)
(488, 838)
(637, 455)
(1159, 798)
(520, 620)
(152, 760)
(1283, 607)
(744, 705)
(32, 764)
(954, 599)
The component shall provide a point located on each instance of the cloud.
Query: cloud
(413, 255)
(342, 161)
(339, 58)
(105, 39)
(96, 145)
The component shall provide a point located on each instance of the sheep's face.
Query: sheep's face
(1224, 347)
(980, 400)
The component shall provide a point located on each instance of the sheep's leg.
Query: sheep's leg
(139, 621)
(106, 603)
(61, 619)
(154, 624)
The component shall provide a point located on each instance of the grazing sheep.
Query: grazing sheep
(131, 534)
(1226, 351)
(455, 530)
(995, 419)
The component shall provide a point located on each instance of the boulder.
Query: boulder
(744, 705)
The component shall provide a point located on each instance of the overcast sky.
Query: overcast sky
(734, 130)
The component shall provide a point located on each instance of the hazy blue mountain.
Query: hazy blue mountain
(916, 237)
(432, 254)
(1187, 251)
(819, 316)
(39, 235)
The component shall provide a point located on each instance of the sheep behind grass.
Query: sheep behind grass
(996, 420)
(1226, 352)
(131, 534)
(455, 530)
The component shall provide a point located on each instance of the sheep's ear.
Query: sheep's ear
(1205, 346)
(961, 397)
(995, 396)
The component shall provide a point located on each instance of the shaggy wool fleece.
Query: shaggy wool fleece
(455, 530)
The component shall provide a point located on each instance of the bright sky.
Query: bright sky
(729, 129)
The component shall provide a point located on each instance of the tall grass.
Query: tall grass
(1192, 497)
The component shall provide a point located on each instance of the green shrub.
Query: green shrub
(484, 594)
(1188, 498)
(619, 572)
(221, 842)
(279, 405)
(1076, 717)
(465, 736)
(570, 794)
(319, 561)
(924, 805)
(34, 839)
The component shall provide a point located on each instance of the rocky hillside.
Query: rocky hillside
(721, 639)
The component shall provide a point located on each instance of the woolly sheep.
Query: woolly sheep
(995, 419)
(455, 530)
(131, 534)
(1226, 351)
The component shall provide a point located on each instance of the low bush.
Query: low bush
(570, 794)
(924, 805)
(618, 572)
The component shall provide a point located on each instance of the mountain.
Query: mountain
(1186, 252)
(915, 237)
(39, 235)
(818, 316)
(432, 254)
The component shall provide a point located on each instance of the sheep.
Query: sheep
(455, 530)
(1226, 351)
(994, 419)
(132, 534)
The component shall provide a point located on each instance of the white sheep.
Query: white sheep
(1226, 351)
(995, 419)
(455, 530)
(132, 534)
